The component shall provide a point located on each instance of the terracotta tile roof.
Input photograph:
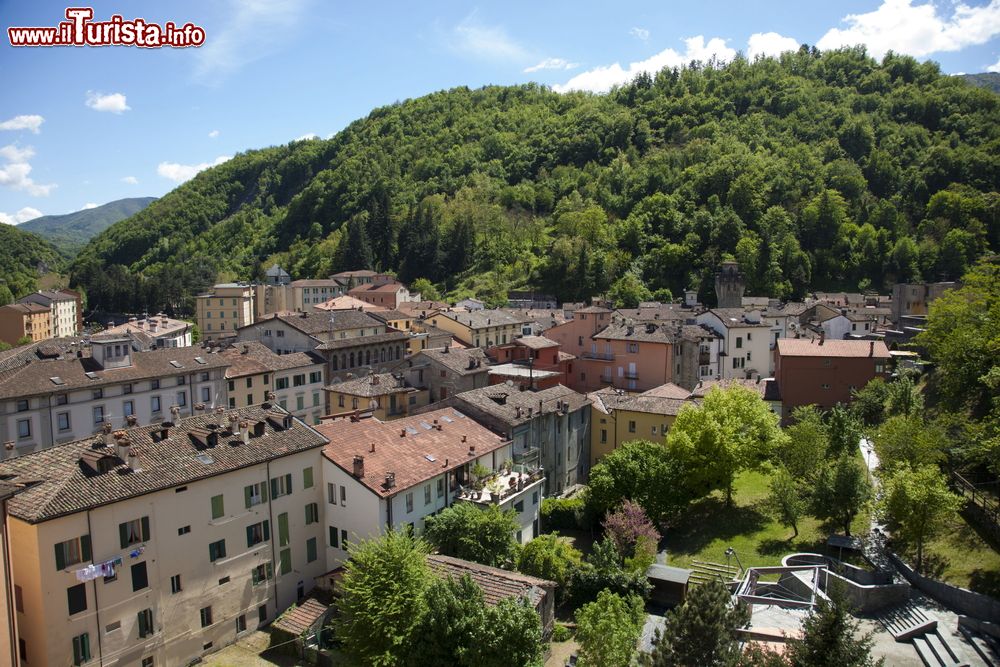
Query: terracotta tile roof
(389, 315)
(424, 452)
(321, 323)
(655, 313)
(59, 480)
(381, 287)
(668, 390)
(800, 347)
(513, 407)
(535, 342)
(481, 319)
(369, 386)
(697, 332)
(299, 619)
(253, 358)
(346, 302)
(421, 306)
(456, 359)
(33, 378)
(496, 584)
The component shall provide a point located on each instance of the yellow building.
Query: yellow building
(385, 395)
(483, 328)
(226, 309)
(617, 417)
(19, 320)
(294, 380)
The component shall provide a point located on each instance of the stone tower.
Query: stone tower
(729, 286)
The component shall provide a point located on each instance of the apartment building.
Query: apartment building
(385, 395)
(447, 371)
(160, 544)
(25, 320)
(618, 417)
(307, 294)
(574, 335)
(63, 307)
(104, 385)
(746, 342)
(385, 295)
(382, 476)
(916, 298)
(482, 328)
(294, 381)
(549, 428)
(227, 308)
(155, 331)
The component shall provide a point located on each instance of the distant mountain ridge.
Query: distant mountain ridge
(71, 231)
(987, 80)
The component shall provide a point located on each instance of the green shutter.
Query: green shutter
(267, 531)
(85, 547)
(246, 495)
(60, 557)
(218, 507)
(269, 568)
(310, 549)
(286, 561)
(274, 487)
(307, 478)
(283, 529)
(334, 538)
(308, 515)
(145, 529)
(288, 483)
(263, 491)
(249, 536)
(123, 534)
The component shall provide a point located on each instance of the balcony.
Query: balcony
(501, 485)
(598, 356)
(607, 379)
(631, 375)
(704, 358)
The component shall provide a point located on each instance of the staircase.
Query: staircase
(934, 651)
(906, 621)
(985, 646)
(703, 572)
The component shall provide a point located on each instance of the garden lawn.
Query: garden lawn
(707, 528)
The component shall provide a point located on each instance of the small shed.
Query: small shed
(298, 628)
(670, 584)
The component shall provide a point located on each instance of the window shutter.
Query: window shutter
(263, 491)
(246, 495)
(307, 478)
(218, 507)
(288, 483)
(274, 487)
(333, 538)
(123, 534)
(308, 513)
(270, 570)
(145, 529)
(267, 531)
(249, 536)
(85, 547)
(60, 557)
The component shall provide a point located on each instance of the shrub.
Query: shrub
(562, 513)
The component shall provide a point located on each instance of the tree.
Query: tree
(195, 334)
(483, 535)
(608, 629)
(903, 397)
(426, 289)
(452, 621)
(640, 471)
(702, 631)
(356, 252)
(605, 570)
(830, 638)
(841, 491)
(6, 297)
(550, 557)
(628, 291)
(844, 430)
(633, 533)
(786, 500)
(512, 635)
(808, 441)
(731, 431)
(908, 440)
(868, 403)
(382, 598)
(920, 505)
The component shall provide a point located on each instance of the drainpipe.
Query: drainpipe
(9, 579)
(275, 565)
(97, 606)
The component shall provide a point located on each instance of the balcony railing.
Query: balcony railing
(502, 485)
(607, 379)
(599, 356)
(632, 375)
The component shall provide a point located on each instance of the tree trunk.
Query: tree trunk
(920, 556)
(729, 493)
(796, 529)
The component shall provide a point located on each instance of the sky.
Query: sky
(85, 125)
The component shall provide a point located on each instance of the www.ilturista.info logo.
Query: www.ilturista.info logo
(80, 30)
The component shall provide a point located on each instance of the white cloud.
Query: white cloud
(131, 180)
(14, 174)
(25, 214)
(213, 134)
(182, 172)
(32, 123)
(602, 79)
(482, 41)
(995, 67)
(256, 28)
(112, 102)
(639, 33)
(89, 205)
(769, 44)
(306, 137)
(916, 30)
(552, 63)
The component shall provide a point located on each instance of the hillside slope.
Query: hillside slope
(818, 170)
(988, 80)
(24, 257)
(71, 231)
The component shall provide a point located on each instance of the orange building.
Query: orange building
(18, 320)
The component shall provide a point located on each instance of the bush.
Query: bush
(562, 513)
(561, 634)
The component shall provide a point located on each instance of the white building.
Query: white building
(156, 331)
(746, 342)
(382, 475)
(63, 307)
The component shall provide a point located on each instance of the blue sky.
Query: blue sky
(84, 125)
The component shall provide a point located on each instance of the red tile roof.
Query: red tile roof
(800, 347)
(297, 620)
(496, 584)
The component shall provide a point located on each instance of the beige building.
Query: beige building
(227, 308)
(20, 320)
(482, 328)
(63, 306)
(384, 395)
(155, 331)
(618, 417)
(157, 546)
(446, 371)
(8, 625)
(295, 381)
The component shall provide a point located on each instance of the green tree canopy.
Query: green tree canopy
(551, 557)
(608, 629)
(702, 631)
(919, 505)
(484, 535)
(840, 491)
(640, 471)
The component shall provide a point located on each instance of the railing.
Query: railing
(631, 376)
(600, 356)
(704, 358)
(607, 379)
(986, 505)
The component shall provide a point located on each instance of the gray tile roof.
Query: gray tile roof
(648, 332)
(358, 341)
(322, 323)
(481, 319)
(62, 480)
(511, 406)
(456, 359)
(253, 358)
(369, 386)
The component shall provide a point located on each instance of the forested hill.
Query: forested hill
(71, 231)
(815, 171)
(24, 257)
(987, 80)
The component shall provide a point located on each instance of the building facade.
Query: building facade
(824, 372)
(63, 307)
(25, 320)
(482, 328)
(228, 307)
(294, 381)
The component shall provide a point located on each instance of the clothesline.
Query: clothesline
(102, 569)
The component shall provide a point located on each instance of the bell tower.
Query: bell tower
(729, 285)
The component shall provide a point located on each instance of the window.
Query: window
(154, 404)
(440, 487)
(343, 539)
(206, 616)
(300, 403)
(184, 530)
(334, 541)
(175, 584)
(249, 399)
(224, 581)
(81, 649)
(216, 550)
(232, 402)
(312, 513)
(147, 661)
(154, 384)
(299, 380)
(62, 399)
(22, 649)
(76, 597)
(280, 333)
(311, 550)
(181, 380)
(519, 506)
(23, 428)
(145, 623)
(427, 494)
(206, 394)
(140, 579)
(128, 407)
(255, 494)
(331, 493)
(18, 598)
(631, 427)
(22, 405)
(262, 613)
(739, 342)
(340, 400)
(307, 478)
(257, 533)
(181, 398)
(72, 552)
(281, 383)
(285, 561)
(633, 348)
(204, 376)
(534, 498)
(134, 532)
(97, 394)
(409, 502)
(283, 529)
(315, 377)
(241, 623)
(604, 435)
(315, 399)
(281, 486)
(261, 573)
(218, 507)
(232, 385)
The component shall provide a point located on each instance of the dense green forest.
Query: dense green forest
(24, 257)
(70, 232)
(815, 170)
(987, 80)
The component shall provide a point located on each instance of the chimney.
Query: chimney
(445, 463)
(372, 448)
(131, 420)
(374, 379)
(122, 448)
(175, 412)
(359, 466)
(245, 432)
(472, 450)
(390, 480)
(402, 433)
(822, 336)
(871, 348)
(517, 412)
